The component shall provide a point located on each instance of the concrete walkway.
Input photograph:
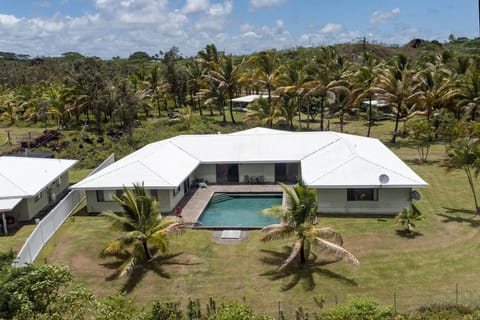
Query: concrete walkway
(199, 200)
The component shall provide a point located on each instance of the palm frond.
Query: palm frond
(277, 211)
(113, 248)
(328, 234)
(296, 249)
(119, 221)
(137, 256)
(337, 250)
(276, 232)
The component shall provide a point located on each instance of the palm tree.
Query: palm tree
(407, 218)
(299, 218)
(464, 153)
(435, 89)
(364, 79)
(265, 112)
(142, 226)
(267, 71)
(395, 86)
(227, 77)
(470, 92)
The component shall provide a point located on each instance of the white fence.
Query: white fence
(47, 227)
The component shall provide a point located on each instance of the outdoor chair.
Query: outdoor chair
(246, 178)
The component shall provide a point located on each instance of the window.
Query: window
(362, 194)
(107, 195)
(154, 194)
(176, 191)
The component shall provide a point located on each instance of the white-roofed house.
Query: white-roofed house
(27, 185)
(353, 174)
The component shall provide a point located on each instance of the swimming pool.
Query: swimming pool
(239, 210)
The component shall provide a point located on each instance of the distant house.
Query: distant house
(352, 174)
(27, 185)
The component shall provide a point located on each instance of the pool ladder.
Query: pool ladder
(219, 197)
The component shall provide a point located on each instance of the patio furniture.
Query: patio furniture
(261, 179)
(246, 178)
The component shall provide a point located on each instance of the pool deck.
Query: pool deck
(199, 200)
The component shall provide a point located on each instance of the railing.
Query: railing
(47, 227)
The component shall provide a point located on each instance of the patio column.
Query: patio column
(4, 221)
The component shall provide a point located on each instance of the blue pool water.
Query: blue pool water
(240, 210)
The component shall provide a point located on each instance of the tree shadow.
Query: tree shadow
(139, 272)
(300, 273)
(408, 234)
(452, 216)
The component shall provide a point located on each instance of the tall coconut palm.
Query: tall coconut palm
(464, 153)
(435, 88)
(227, 77)
(267, 71)
(469, 86)
(266, 113)
(395, 86)
(364, 79)
(142, 227)
(299, 218)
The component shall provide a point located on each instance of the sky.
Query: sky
(110, 28)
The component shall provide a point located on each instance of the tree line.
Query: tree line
(300, 88)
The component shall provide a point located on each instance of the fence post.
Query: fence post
(336, 300)
(395, 301)
(456, 294)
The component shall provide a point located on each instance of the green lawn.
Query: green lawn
(16, 239)
(416, 271)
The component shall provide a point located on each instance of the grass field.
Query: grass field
(416, 271)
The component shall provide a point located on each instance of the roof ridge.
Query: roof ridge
(183, 150)
(11, 181)
(149, 169)
(336, 167)
(388, 169)
(320, 148)
(96, 175)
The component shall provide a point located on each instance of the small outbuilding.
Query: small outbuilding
(27, 185)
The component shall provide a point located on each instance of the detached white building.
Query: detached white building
(27, 185)
(352, 174)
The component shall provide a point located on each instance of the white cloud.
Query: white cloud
(331, 28)
(378, 17)
(193, 6)
(120, 27)
(259, 4)
(8, 20)
(218, 9)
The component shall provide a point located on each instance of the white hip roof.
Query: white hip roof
(22, 177)
(328, 159)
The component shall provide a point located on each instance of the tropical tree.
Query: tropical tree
(266, 113)
(435, 88)
(142, 226)
(227, 78)
(464, 153)
(299, 218)
(470, 93)
(267, 71)
(408, 218)
(422, 132)
(396, 87)
(364, 79)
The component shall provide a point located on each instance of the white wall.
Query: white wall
(208, 172)
(390, 201)
(267, 170)
(29, 207)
